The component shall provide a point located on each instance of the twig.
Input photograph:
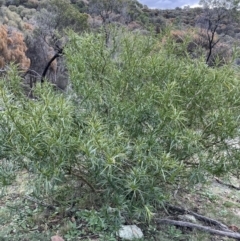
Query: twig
(201, 217)
(199, 227)
(40, 202)
(226, 184)
(84, 180)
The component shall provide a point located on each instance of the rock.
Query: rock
(130, 232)
(187, 218)
(56, 238)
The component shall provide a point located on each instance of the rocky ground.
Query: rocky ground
(25, 218)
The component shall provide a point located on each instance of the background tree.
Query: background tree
(228, 4)
(49, 37)
(215, 14)
(107, 10)
(103, 8)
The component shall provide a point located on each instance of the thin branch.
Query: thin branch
(40, 202)
(35, 73)
(199, 227)
(200, 217)
(85, 181)
(226, 184)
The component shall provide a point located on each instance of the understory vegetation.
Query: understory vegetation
(139, 119)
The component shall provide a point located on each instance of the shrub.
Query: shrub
(12, 18)
(13, 48)
(136, 123)
(31, 4)
(27, 13)
(13, 8)
(61, 14)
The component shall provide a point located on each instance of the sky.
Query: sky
(169, 4)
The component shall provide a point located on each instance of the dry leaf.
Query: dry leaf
(234, 228)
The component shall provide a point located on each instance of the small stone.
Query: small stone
(130, 232)
(56, 238)
(188, 218)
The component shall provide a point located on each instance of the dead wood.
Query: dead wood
(205, 219)
(199, 227)
(226, 184)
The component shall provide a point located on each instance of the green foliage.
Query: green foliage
(69, 16)
(11, 18)
(57, 15)
(173, 116)
(7, 172)
(137, 121)
(80, 4)
(41, 124)
(27, 13)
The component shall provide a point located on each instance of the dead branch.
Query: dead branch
(40, 202)
(199, 227)
(85, 181)
(200, 217)
(226, 184)
(58, 54)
